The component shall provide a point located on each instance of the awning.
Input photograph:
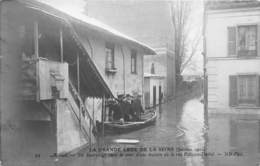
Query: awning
(92, 83)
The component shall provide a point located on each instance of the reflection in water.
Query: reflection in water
(258, 136)
(226, 133)
(244, 134)
(193, 129)
(234, 134)
(160, 110)
(160, 134)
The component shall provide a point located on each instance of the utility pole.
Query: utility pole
(205, 77)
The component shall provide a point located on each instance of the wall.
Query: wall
(164, 66)
(69, 134)
(159, 64)
(216, 28)
(26, 129)
(219, 65)
(133, 82)
(147, 101)
(218, 80)
(155, 81)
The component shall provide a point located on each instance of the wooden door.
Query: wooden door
(154, 96)
(160, 94)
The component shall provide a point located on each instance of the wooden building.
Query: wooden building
(48, 73)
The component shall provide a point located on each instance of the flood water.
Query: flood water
(229, 140)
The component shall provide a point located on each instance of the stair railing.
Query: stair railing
(82, 106)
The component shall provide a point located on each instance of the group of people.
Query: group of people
(125, 108)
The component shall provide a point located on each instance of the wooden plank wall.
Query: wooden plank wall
(45, 78)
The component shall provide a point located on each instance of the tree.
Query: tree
(187, 26)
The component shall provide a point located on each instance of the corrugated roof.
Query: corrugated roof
(92, 82)
(89, 22)
(231, 4)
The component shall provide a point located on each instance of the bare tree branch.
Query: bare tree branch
(186, 45)
(194, 50)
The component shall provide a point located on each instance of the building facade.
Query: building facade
(119, 62)
(154, 87)
(118, 58)
(155, 81)
(148, 22)
(233, 56)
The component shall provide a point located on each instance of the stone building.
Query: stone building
(233, 56)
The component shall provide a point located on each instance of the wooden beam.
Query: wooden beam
(103, 116)
(36, 57)
(78, 76)
(124, 74)
(61, 45)
(205, 75)
(78, 89)
(36, 40)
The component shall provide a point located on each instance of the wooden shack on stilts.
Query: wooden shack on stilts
(47, 74)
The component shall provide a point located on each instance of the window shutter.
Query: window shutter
(231, 41)
(258, 40)
(233, 90)
(258, 91)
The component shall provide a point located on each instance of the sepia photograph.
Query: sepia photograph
(130, 83)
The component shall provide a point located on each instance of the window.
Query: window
(244, 89)
(247, 40)
(133, 62)
(242, 40)
(152, 69)
(26, 34)
(247, 86)
(49, 40)
(110, 57)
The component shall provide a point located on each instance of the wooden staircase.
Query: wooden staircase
(80, 112)
(85, 121)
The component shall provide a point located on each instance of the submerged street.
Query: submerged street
(230, 139)
(74, 72)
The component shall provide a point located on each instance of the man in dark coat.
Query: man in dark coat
(127, 108)
(137, 108)
(114, 110)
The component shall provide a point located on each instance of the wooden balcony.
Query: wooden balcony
(44, 80)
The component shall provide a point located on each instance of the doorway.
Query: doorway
(160, 94)
(154, 96)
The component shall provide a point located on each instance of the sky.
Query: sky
(196, 25)
(68, 5)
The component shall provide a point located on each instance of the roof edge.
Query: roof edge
(90, 23)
